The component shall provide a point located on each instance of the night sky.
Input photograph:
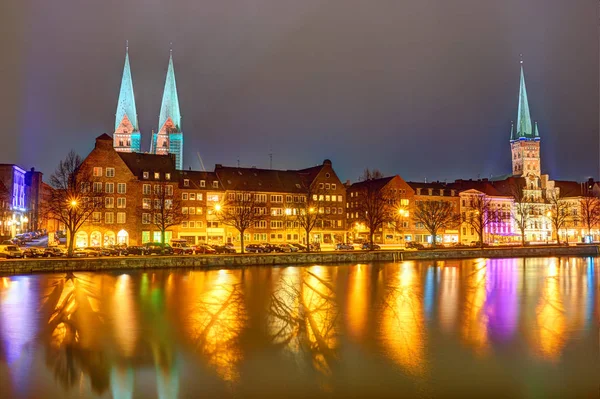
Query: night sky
(419, 88)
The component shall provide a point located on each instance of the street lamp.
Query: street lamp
(73, 203)
(217, 207)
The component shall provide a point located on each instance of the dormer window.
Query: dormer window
(156, 175)
(168, 176)
(202, 183)
(215, 184)
(186, 182)
(431, 191)
(146, 175)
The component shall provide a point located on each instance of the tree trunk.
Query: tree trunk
(162, 236)
(433, 239)
(371, 238)
(307, 240)
(523, 237)
(70, 244)
(481, 239)
(557, 237)
(242, 241)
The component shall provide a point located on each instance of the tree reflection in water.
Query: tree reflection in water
(218, 316)
(303, 318)
(71, 336)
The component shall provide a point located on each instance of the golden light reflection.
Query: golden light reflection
(550, 331)
(321, 317)
(357, 302)
(125, 318)
(474, 328)
(217, 317)
(403, 324)
(449, 299)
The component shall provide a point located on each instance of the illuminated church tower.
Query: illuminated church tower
(525, 140)
(127, 133)
(169, 138)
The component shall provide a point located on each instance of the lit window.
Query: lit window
(202, 183)
(147, 189)
(109, 202)
(215, 184)
(199, 197)
(167, 176)
(110, 188)
(156, 175)
(186, 182)
(184, 196)
(121, 202)
(333, 186)
(121, 217)
(146, 175)
(109, 217)
(97, 171)
(192, 196)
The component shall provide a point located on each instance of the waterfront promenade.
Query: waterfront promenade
(40, 265)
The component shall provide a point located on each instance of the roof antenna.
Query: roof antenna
(271, 160)
(238, 161)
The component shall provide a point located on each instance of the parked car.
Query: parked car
(82, 253)
(255, 248)
(414, 245)
(223, 249)
(268, 248)
(316, 246)
(344, 247)
(54, 252)
(95, 251)
(180, 247)
(368, 247)
(136, 250)
(288, 248)
(205, 249)
(32, 252)
(158, 248)
(10, 251)
(299, 246)
(117, 250)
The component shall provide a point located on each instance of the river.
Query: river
(488, 328)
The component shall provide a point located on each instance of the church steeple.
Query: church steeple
(524, 126)
(170, 100)
(525, 140)
(127, 136)
(169, 138)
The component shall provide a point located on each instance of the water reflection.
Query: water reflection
(220, 333)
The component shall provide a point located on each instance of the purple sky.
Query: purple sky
(421, 88)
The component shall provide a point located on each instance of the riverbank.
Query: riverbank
(42, 265)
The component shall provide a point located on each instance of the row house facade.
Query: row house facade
(130, 180)
(20, 197)
(435, 191)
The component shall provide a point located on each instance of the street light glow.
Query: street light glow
(73, 203)
(217, 207)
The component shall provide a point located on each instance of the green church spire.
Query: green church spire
(170, 100)
(126, 104)
(524, 126)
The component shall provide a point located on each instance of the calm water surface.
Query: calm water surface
(495, 328)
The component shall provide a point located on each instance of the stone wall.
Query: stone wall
(25, 266)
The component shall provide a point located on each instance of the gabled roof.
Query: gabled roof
(126, 104)
(376, 184)
(195, 176)
(570, 188)
(253, 179)
(139, 163)
(104, 136)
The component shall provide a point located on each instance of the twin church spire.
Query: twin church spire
(169, 138)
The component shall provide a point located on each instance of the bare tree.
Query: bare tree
(590, 212)
(377, 204)
(558, 212)
(308, 212)
(162, 208)
(435, 216)
(240, 210)
(522, 209)
(74, 197)
(480, 215)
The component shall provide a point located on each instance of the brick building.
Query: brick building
(128, 180)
